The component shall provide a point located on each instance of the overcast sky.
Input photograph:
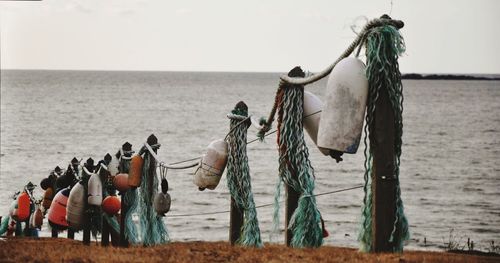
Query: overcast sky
(448, 36)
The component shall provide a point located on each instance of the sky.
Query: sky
(442, 36)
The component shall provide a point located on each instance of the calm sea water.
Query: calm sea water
(450, 168)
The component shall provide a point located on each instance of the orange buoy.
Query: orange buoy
(23, 206)
(47, 198)
(111, 205)
(57, 212)
(135, 171)
(120, 181)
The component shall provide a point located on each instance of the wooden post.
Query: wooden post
(86, 229)
(292, 196)
(123, 213)
(292, 200)
(126, 147)
(27, 230)
(71, 233)
(54, 233)
(105, 233)
(235, 222)
(384, 183)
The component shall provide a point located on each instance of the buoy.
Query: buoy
(211, 166)
(57, 211)
(120, 181)
(76, 207)
(113, 166)
(342, 117)
(38, 218)
(162, 203)
(45, 183)
(312, 116)
(111, 205)
(23, 206)
(94, 190)
(135, 171)
(47, 198)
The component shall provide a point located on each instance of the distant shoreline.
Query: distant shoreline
(445, 77)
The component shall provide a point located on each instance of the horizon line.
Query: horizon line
(213, 71)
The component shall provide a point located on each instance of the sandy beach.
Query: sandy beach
(64, 250)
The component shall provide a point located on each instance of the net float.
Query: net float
(135, 171)
(211, 166)
(343, 114)
(76, 207)
(94, 190)
(111, 205)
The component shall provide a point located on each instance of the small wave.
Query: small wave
(490, 131)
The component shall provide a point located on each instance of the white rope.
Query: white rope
(357, 41)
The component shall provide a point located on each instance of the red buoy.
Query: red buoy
(111, 205)
(23, 206)
(120, 181)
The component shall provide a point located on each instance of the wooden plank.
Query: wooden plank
(384, 183)
(235, 222)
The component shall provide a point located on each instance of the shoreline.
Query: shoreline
(22, 249)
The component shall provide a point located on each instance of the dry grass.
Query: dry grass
(64, 250)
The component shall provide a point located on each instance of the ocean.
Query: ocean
(450, 165)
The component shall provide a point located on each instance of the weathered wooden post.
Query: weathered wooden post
(73, 170)
(388, 220)
(384, 182)
(127, 152)
(292, 196)
(235, 222)
(105, 234)
(236, 215)
(89, 165)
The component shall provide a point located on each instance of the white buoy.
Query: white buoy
(95, 190)
(312, 115)
(342, 117)
(76, 207)
(113, 166)
(162, 203)
(211, 166)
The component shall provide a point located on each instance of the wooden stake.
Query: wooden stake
(71, 233)
(54, 233)
(384, 183)
(105, 233)
(292, 196)
(123, 213)
(235, 222)
(86, 231)
(292, 200)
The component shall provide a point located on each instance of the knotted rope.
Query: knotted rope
(153, 230)
(295, 169)
(238, 176)
(130, 200)
(383, 47)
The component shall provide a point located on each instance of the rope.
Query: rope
(284, 79)
(357, 41)
(238, 177)
(263, 205)
(384, 45)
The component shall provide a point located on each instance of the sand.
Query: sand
(65, 250)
